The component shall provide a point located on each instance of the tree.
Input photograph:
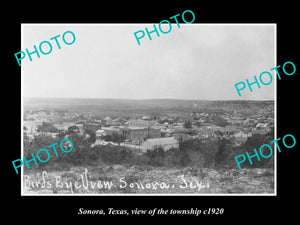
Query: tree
(47, 127)
(187, 124)
(117, 138)
(81, 148)
(91, 137)
(61, 135)
(198, 153)
(255, 141)
(26, 140)
(156, 156)
(41, 141)
(252, 142)
(220, 155)
(219, 121)
(114, 137)
(198, 124)
(73, 129)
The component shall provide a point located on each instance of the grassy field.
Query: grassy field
(118, 179)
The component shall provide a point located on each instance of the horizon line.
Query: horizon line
(141, 99)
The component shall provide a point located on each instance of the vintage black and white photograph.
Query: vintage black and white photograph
(106, 114)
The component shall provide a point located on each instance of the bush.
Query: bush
(252, 142)
(47, 127)
(207, 153)
(198, 153)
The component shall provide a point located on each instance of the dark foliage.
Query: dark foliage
(47, 127)
(187, 124)
(197, 153)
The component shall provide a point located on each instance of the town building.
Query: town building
(181, 137)
(92, 126)
(229, 130)
(242, 134)
(137, 134)
(112, 130)
(140, 123)
(164, 143)
(241, 137)
(261, 126)
(65, 125)
(100, 133)
(113, 123)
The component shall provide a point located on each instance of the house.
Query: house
(92, 126)
(229, 130)
(205, 132)
(65, 125)
(260, 131)
(237, 119)
(101, 142)
(209, 131)
(241, 137)
(181, 136)
(100, 133)
(79, 125)
(260, 126)
(54, 135)
(242, 134)
(111, 130)
(113, 123)
(165, 143)
(140, 123)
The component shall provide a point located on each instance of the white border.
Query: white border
(114, 194)
(275, 112)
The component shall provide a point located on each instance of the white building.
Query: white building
(100, 133)
(241, 134)
(165, 143)
(141, 123)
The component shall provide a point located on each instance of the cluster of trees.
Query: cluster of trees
(210, 153)
(114, 137)
(194, 152)
(218, 120)
(77, 156)
(47, 127)
(187, 124)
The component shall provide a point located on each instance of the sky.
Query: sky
(195, 61)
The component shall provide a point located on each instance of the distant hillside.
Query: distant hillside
(139, 107)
